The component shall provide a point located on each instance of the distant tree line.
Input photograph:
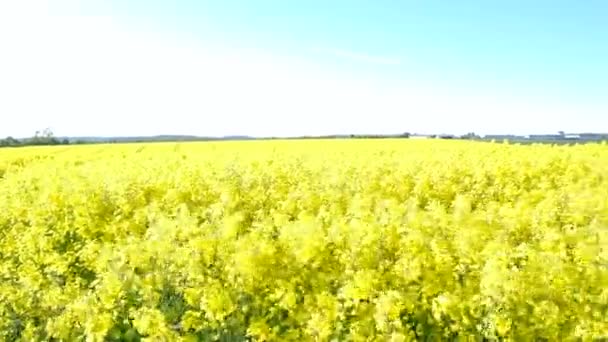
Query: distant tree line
(40, 138)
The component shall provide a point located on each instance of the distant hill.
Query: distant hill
(155, 138)
(169, 138)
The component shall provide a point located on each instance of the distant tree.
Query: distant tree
(47, 133)
(44, 137)
(470, 135)
(9, 142)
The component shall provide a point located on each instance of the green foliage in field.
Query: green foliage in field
(304, 240)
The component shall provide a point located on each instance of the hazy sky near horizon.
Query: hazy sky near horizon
(281, 68)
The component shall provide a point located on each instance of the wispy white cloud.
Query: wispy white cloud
(360, 57)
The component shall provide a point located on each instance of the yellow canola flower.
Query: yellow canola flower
(315, 240)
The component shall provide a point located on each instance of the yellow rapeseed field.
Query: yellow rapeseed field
(320, 240)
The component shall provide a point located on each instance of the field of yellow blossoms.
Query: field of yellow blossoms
(320, 240)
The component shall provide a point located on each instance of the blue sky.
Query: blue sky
(302, 67)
